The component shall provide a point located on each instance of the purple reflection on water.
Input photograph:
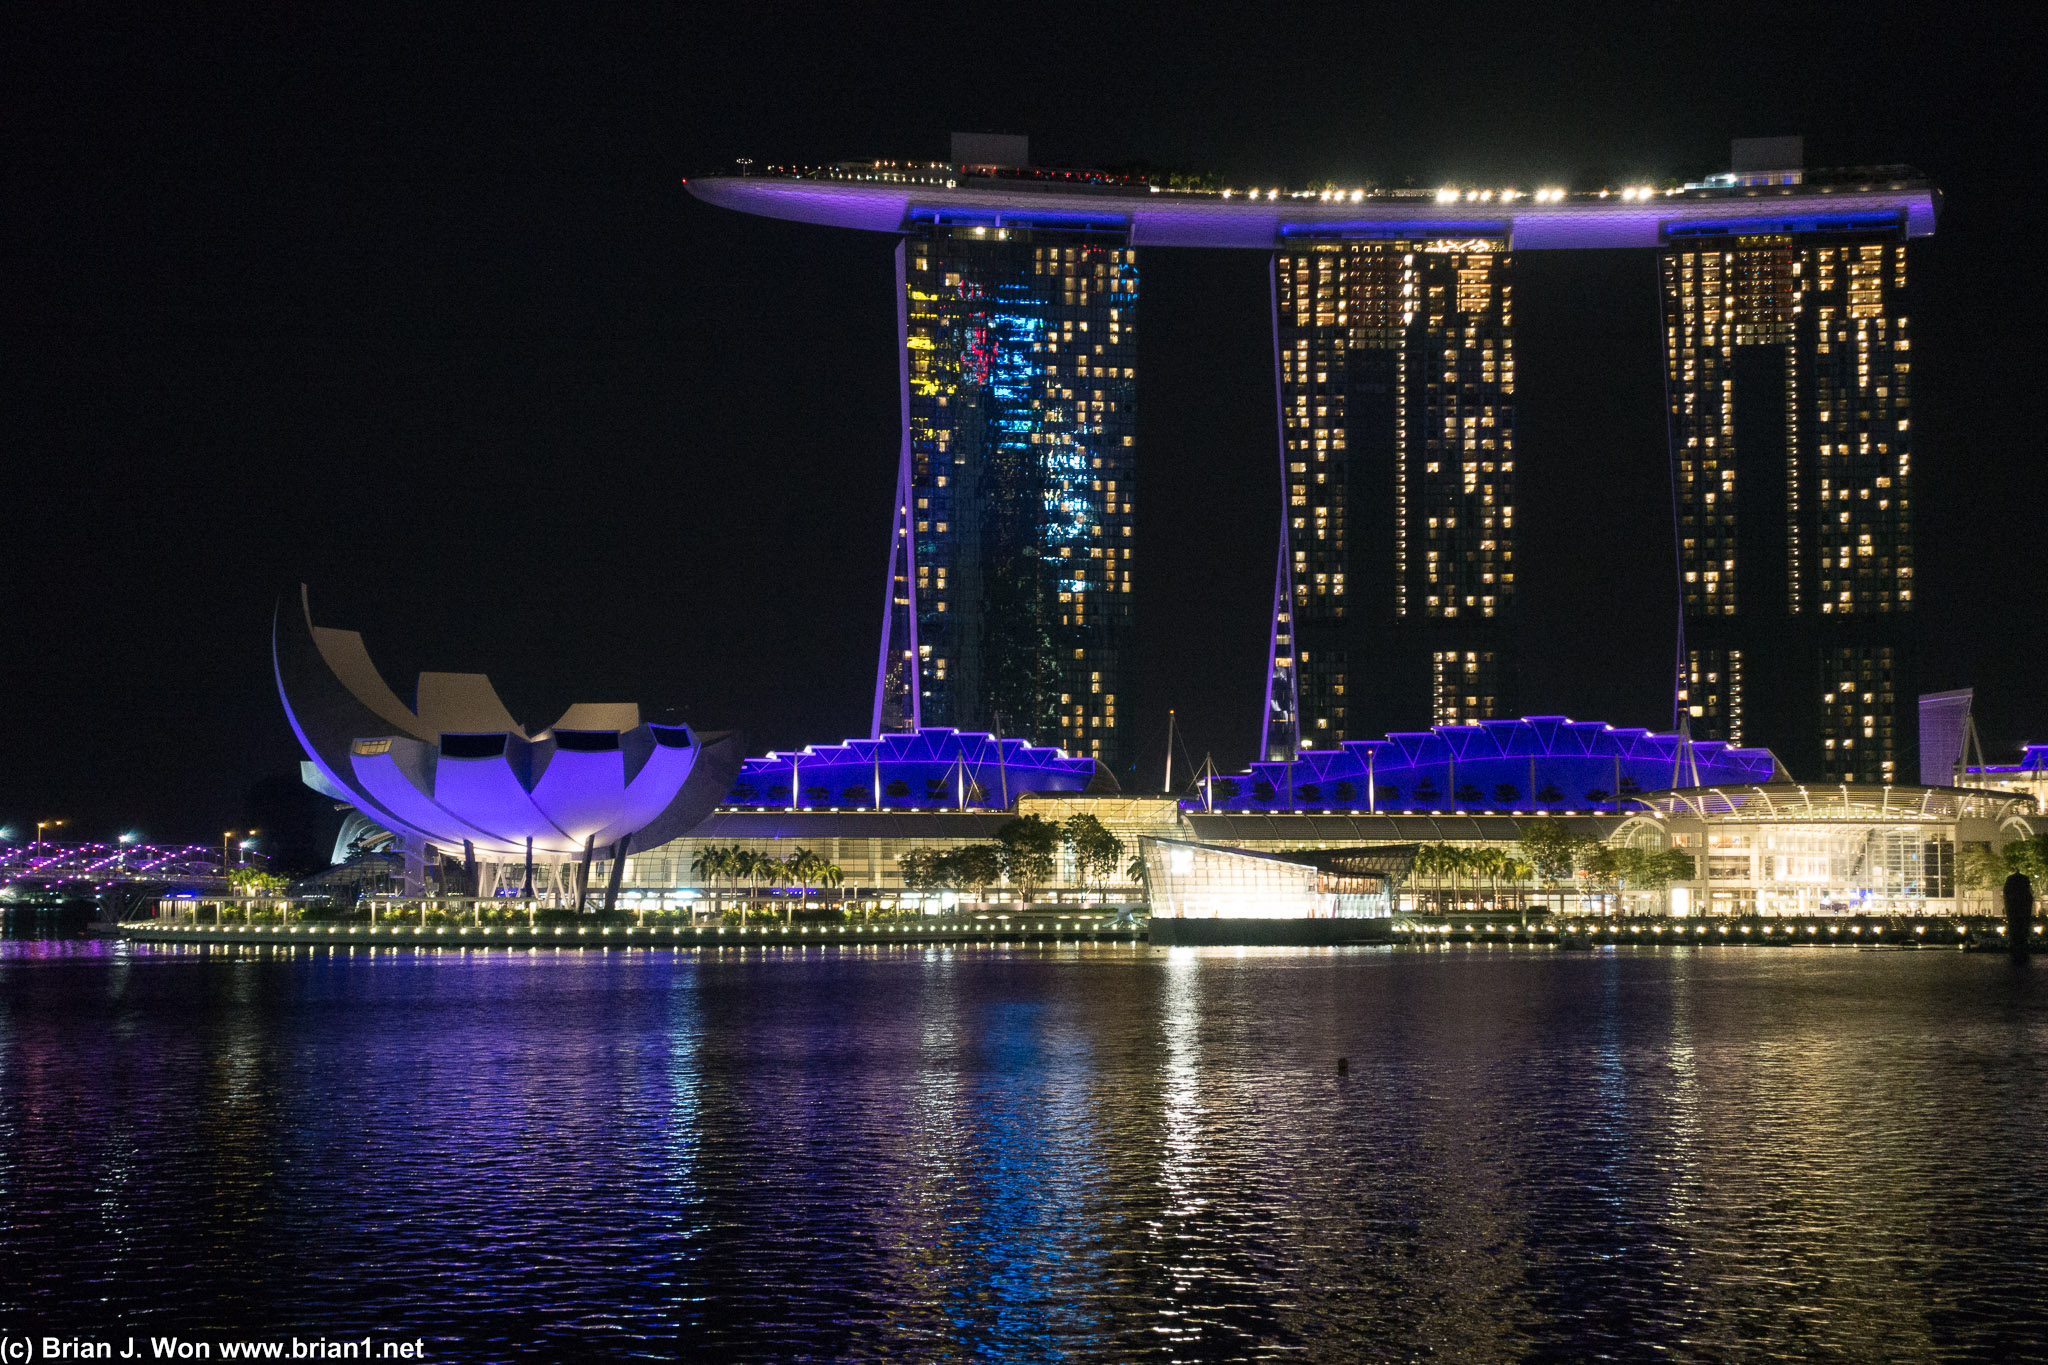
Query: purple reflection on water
(1103, 1154)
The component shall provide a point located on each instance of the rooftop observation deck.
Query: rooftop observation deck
(896, 196)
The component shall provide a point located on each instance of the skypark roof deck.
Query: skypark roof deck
(898, 196)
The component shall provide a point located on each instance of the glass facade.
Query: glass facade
(1788, 366)
(1789, 849)
(1020, 374)
(1206, 881)
(1396, 373)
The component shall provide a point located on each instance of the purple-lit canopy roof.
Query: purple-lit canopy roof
(1263, 220)
(2033, 759)
(1535, 764)
(927, 768)
(456, 767)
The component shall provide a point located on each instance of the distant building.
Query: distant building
(1010, 580)
(1786, 312)
(1396, 372)
(2029, 776)
(1793, 848)
(1788, 366)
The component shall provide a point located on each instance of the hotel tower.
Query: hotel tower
(1395, 365)
(1787, 366)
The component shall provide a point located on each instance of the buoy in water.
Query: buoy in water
(1343, 1066)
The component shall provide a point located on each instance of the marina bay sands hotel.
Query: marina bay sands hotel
(1787, 364)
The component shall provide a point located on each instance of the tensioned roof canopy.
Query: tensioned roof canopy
(1804, 802)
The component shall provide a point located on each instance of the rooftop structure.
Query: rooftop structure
(2028, 777)
(1398, 568)
(926, 769)
(1539, 764)
(901, 196)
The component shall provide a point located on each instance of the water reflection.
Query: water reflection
(1099, 1153)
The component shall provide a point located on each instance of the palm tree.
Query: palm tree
(770, 872)
(1457, 862)
(711, 863)
(1517, 870)
(1433, 861)
(802, 867)
(746, 863)
(1488, 863)
(829, 874)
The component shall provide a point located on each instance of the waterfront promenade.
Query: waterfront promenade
(1023, 929)
(1763, 931)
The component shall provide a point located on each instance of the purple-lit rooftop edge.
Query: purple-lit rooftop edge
(929, 768)
(1536, 764)
(1891, 200)
(2033, 759)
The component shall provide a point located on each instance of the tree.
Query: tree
(770, 871)
(802, 867)
(919, 868)
(1981, 867)
(976, 867)
(1096, 851)
(853, 796)
(1507, 793)
(1436, 861)
(817, 795)
(897, 789)
(1603, 863)
(1636, 869)
(1551, 847)
(1264, 791)
(1517, 871)
(1468, 793)
(1225, 788)
(251, 881)
(711, 863)
(1309, 791)
(1346, 792)
(1487, 863)
(1028, 845)
(1548, 794)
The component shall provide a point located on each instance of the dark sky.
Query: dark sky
(416, 309)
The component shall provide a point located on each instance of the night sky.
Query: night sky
(418, 311)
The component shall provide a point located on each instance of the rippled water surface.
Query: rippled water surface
(1098, 1154)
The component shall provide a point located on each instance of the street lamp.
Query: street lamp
(42, 825)
(228, 834)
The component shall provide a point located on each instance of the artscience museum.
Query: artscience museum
(454, 773)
